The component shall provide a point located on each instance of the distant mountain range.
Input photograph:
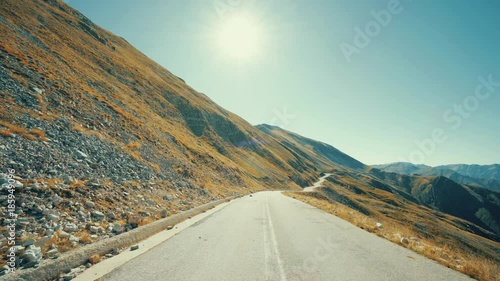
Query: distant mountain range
(487, 176)
(471, 203)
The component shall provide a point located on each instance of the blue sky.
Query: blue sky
(403, 90)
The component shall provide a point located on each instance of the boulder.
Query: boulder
(97, 215)
(94, 229)
(89, 204)
(52, 217)
(117, 228)
(63, 234)
(79, 154)
(32, 254)
(70, 227)
(94, 259)
(29, 242)
(52, 254)
(164, 213)
(404, 240)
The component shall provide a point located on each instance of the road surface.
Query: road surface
(270, 236)
(317, 184)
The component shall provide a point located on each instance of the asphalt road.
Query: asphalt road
(270, 236)
(317, 184)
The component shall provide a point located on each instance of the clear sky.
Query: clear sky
(381, 80)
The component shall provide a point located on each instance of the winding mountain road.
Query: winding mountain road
(269, 236)
(317, 184)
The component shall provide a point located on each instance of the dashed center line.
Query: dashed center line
(274, 244)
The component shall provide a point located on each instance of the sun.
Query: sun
(239, 37)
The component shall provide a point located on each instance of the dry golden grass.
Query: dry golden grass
(95, 259)
(37, 133)
(452, 254)
(63, 245)
(145, 221)
(135, 155)
(84, 237)
(52, 182)
(155, 166)
(133, 145)
(6, 133)
(78, 127)
(77, 183)
(18, 130)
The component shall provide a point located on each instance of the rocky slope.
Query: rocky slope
(102, 139)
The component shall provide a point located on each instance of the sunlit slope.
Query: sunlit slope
(105, 87)
(321, 154)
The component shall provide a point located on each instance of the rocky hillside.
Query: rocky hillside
(70, 88)
(102, 139)
(475, 175)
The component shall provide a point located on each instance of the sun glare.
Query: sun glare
(239, 37)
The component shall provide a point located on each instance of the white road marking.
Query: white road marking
(266, 245)
(275, 244)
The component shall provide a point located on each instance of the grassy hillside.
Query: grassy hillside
(366, 200)
(321, 154)
(57, 66)
(102, 139)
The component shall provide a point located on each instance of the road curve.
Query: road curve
(270, 236)
(317, 184)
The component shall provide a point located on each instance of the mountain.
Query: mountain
(476, 205)
(324, 154)
(402, 167)
(476, 175)
(475, 171)
(96, 133)
(100, 140)
(71, 88)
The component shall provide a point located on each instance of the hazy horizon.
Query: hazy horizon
(383, 81)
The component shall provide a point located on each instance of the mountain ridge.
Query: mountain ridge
(483, 175)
